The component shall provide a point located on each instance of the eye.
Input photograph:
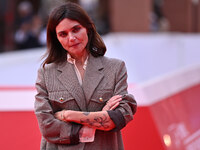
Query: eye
(62, 34)
(76, 29)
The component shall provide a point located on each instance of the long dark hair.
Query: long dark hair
(55, 52)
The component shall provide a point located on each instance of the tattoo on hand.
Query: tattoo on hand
(98, 122)
(86, 113)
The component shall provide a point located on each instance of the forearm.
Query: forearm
(99, 120)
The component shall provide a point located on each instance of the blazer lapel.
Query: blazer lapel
(69, 79)
(93, 75)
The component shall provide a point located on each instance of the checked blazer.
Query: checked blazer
(58, 88)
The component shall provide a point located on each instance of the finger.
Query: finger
(114, 101)
(115, 97)
(114, 106)
(56, 115)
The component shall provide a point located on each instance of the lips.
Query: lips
(74, 45)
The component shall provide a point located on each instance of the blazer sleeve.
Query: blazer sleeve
(52, 129)
(123, 114)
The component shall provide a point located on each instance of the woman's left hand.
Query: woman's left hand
(112, 103)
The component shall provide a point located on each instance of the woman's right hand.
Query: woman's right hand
(112, 103)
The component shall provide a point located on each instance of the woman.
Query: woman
(82, 100)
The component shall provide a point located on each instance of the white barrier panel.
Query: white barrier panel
(17, 100)
(157, 89)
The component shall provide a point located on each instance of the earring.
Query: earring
(95, 49)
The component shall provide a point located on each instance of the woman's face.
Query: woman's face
(72, 36)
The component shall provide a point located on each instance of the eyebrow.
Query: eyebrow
(70, 28)
(76, 25)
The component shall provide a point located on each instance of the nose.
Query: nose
(71, 37)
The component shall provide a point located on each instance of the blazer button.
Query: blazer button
(61, 99)
(101, 99)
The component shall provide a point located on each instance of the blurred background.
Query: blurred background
(159, 41)
(22, 23)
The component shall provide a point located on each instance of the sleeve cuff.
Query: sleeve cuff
(118, 119)
(74, 137)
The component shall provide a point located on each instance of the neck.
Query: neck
(81, 58)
